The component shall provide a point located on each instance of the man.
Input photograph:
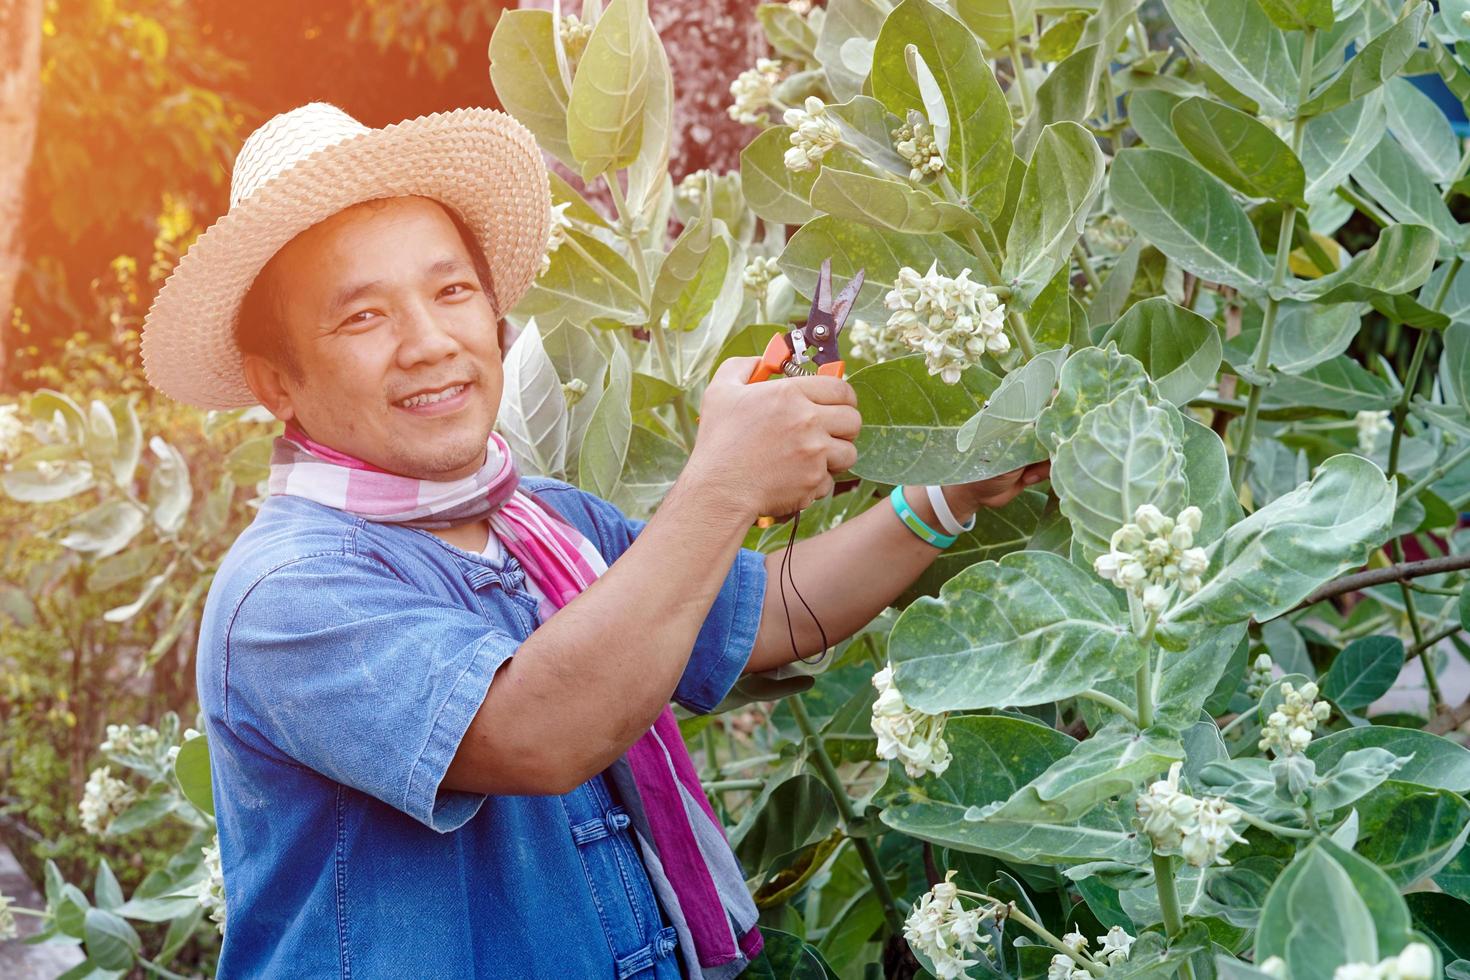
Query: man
(418, 770)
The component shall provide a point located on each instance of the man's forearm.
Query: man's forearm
(848, 575)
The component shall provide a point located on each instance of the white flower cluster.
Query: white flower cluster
(104, 797)
(942, 929)
(758, 274)
(952, 321)
(1289, 728)
(800, 7)
(1177, 823)
(1064, 967)
(916, 144)
(1416, 962)
(131, 740)
(1116, 946)
(691, 187)
(557, 236)
(573, 391)
(751, 91)
(813, 133)
(907, 734)
(7, 920)
(211, 892)
(12, 429)
(173, 750)
(1151, 555)
(1260, 676)
(574, 35)
(1370, 426)
(874, 342)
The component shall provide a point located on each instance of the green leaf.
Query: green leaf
(1067, 94)
(785, 957)
(533, 409)
(772, 191)
(105, 529)
(1363, 672)
(1334, 143)
(1188, 215)
(1314, 918)
(576, 357)
(1378, 61)
(653, 464)
(100, 437)
(1015, 404)
(1237, 40)
(1110, 763)
(1340, 384)
(884, 202)
(112, 944)
(605, 446)
(845, 43)
(106, 893)
(1124, 454)
(1422, 129)
(1296, 15)
(588, 280)
(695, 298)
(1057, 193)
(1179, 348)
(1150, 113)
(788, 815)
(1091, 377)
(1411, 831)
(852, 246)
(119, 569)
(1154, 958)
(980, 121)
(1307, 335)
(1434, 761)
(788, 31)
(191, 767)
(1356, 774)
(1399, 262)
(524, 74)
(1273, 559)
(998, 22)
(1240, 150)
(1028, 629)
(911, 424)
(144, 812)
(605, 111)
(1442, 919)
(1208, 472)
(1395, 181)
(36, 480)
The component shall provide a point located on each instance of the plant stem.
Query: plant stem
(1169, 905)
(1143, 681)
(1275, 828)
(862, 845)
(160, 970)
(1435, 474)
(1111, 703)
(721, 785)
(1240, 719)
(1241, 462)
(1088, 272)
(1367, 207)
(1018, 68)
(1042, 932)
(1432, 639)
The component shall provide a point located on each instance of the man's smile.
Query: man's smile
(436, 401)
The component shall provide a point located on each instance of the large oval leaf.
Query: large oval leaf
(1237, 40)
(1436, 761)
(1124, 454)
(772, 191)
(1395, 181)
(1422, 129)
(1379, 60)
(1028, 629)
(605, 111)
(1336, 142)
(884, 202)
(1057, 192)
(1399, 262)
(524, 75)
(1188, 215)
(1180, 349)
(533, 408)
(980, 121)
(1275, 557)
(1363, 672)
(1091, 377)
(1240, 150)
(105, 529)
(1411, 831)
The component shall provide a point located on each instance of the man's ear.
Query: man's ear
(268, 383)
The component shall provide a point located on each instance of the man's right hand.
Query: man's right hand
(772, 447)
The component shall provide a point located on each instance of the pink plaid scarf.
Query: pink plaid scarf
(684, 847)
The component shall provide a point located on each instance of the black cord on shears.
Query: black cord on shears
(786, 575)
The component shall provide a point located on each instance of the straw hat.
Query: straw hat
(305, 165)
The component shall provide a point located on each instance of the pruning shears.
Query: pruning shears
(816, 342)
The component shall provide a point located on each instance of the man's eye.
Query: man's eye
(455, 289)
(360, 317)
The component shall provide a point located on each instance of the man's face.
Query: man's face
(395, 338)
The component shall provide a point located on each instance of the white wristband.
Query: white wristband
(945, 515)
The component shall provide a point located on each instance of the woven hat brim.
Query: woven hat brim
(481, 162)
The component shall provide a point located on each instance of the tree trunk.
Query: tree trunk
(20, 104)
(709, 42)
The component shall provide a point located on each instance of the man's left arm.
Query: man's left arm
(851, 573)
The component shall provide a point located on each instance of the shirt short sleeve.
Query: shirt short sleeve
(725, 641)
(354, 673)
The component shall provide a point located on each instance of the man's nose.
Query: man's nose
(422, 338)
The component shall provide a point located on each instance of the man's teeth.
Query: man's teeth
(431, 397)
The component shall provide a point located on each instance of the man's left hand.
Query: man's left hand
(966, 498)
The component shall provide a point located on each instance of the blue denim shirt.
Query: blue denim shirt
(340, 663)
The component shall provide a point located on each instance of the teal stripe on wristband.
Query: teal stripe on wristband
(914, 523)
